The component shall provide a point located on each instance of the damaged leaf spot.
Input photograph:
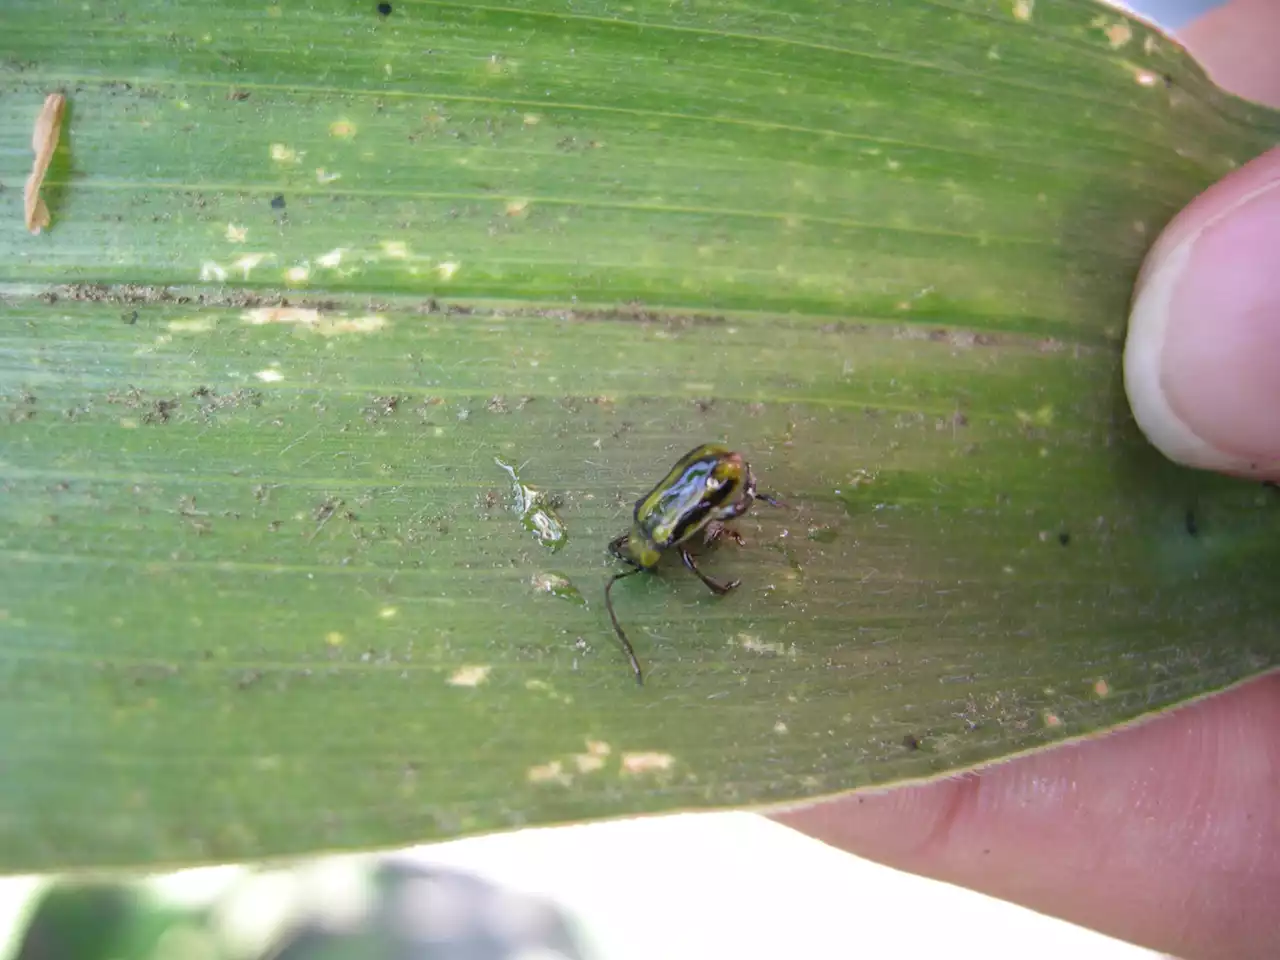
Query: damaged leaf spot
(541, 686)
(586, 763)
(369, 323)
(594, 758)
(1022, 9)
(192, 325)
(552, 772)
(312, 319)
(210, 271)
(284, 154)
(44, 141)
(470, 676)
(772, 648)
(1042, 417)
(1118, 33)
(249, 261)
(306, 316)
(641, 763)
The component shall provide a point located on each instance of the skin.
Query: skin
(1166, 834)
(1237, 43)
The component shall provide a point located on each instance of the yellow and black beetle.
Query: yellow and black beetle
(706, 488)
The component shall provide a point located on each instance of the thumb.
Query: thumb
(1202, 360)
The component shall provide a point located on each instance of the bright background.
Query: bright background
(1170, 14)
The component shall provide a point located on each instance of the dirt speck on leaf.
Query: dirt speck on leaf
(24, 409)
(326, 509)
(211, 401)
(160, 412)
(382, 406)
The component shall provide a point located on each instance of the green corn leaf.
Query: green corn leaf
(339, 313)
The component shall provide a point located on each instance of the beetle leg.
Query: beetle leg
(754, 494)
(715, 530)
(715, 586)
(615, 548)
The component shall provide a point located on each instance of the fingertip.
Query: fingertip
(1202, 358)
(1164, 833)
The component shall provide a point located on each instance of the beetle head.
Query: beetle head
(635, 548)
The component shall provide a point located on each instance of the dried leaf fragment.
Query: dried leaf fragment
(44, 141)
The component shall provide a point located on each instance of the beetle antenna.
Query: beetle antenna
(617, 628)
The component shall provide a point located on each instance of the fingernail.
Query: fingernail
(1202, 361)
